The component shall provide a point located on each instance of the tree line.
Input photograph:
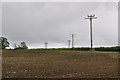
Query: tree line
(4, 43)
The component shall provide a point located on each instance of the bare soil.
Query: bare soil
(59, 64)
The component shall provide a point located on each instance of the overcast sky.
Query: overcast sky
(53, 22)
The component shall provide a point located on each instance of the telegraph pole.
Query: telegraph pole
(72, 35)
(68, 43)
(46, 45)
(91, 17)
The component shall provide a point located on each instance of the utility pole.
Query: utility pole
(15, 46)
(91, 17)
(46, 45)
(68, 43)
(72, 35)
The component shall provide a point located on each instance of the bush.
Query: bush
(117, 48)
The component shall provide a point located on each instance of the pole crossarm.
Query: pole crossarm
(91, 18)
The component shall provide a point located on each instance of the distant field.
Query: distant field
(59, 64)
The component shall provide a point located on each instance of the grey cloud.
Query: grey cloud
(36, 23)
(119, 23)
(0, 19)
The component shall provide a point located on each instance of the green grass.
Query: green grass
(59, 64)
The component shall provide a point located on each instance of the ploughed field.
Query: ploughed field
(59, 64)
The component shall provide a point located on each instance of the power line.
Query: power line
(91, 17)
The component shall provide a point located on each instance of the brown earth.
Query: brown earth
(59, 64)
